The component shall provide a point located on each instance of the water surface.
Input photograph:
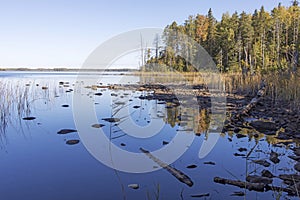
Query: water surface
(37, 163)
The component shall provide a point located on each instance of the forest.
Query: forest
(255, 43)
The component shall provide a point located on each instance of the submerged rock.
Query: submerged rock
(267, 173)
(113, 95)
(191, 166)
(239, 193)
(134, 186)
(296, 151)
(65, 106)
(296, 158)
(29, 118)
(200, 195)
(66, 131)
(209, 163)
(262, 162)
(274, 157)
(98, 94)
(289, 178)
(165, 142)
(297, 166)
(97, 125)
(111, 120)
(72, 142)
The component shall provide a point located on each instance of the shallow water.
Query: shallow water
(37, 163)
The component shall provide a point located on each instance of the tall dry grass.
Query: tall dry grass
(281, 87)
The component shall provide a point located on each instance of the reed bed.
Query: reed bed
(281, 87)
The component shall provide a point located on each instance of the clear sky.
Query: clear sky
(54, 33)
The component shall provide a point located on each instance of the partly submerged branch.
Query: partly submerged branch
(175, 172)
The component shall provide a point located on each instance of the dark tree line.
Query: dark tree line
(252, 43)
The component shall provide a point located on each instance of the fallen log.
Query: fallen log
(246, 109)
(259, 187)
(175, 172)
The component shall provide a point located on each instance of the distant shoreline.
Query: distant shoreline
(66, 70)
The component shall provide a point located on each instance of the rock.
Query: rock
(242, 149)
(237, 130)
(297, 166)
(240, 135)
(135, 107)
(29, 118)
(259, 179)
(98, 94)
(65, 106)
(165, 142)
(274, 157)
(72, 142)
(240, 194)
(262, 162)
(296, 158)
(296, 151)
(263, 126)
(111, 120)
(44, 88)
(289, 178)
(267, 173)
(283, 136)
(269, 132)
(134, 186)
(209, 163)
(200, 195)
(191, 166)
(97, 125)
(239, 154)
(66, 131)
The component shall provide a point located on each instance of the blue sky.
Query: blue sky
(54, 33)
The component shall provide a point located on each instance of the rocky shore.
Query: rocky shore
(259, 114)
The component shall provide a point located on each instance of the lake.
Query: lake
(69, 136)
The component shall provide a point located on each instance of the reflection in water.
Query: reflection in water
(22, 98)
(61, 160)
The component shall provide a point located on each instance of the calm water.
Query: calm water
(37, 163)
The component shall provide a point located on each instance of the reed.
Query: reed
(280, 87)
